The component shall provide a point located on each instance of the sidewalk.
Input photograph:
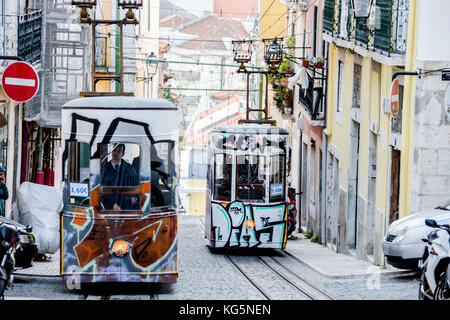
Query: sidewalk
(334, 265)
(48, 268)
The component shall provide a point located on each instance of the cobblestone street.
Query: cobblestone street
(204, 275)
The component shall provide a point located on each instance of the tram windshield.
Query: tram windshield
(276, 178)
(119, 176)
(250, 183)
(162, 166)
(258, 178)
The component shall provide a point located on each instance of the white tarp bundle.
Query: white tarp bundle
(39, 206)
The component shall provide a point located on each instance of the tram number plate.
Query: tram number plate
(79, 190)
(276, 190)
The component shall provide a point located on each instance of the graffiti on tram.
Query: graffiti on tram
(254, 143)
(248, 225)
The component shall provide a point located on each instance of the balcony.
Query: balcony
(29, 36)
(385, 31)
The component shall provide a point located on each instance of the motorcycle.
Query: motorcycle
(17, 250)
(292, 213)
(435, 278)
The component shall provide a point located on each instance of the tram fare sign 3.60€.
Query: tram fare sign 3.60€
(20, 82)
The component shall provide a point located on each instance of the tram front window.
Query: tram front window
(277, 178)
(162, 166)
(251, 175)
(78, 157)
(222, 176)
(119, 176)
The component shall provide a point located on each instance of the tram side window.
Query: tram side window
(222, 176)
(277, 178)
(119, 176)
(162, 166)
(250, 178)
(78, 173)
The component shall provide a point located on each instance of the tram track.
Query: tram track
(302, 288)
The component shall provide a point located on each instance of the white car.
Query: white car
(403, 245)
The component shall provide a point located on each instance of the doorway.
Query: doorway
(353, 169)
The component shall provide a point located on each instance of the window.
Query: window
(277, 178)
(162, 166)
(222, 176)
(78, 173)
(251, 173)
(119, 177)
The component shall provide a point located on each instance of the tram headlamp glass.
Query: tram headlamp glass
(120, 248)
(250, 224)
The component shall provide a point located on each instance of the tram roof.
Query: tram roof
(250, 129)
(120, 102)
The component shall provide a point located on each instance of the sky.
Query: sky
(195, 6)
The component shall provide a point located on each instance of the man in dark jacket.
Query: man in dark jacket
(3, 191)
(118, 172)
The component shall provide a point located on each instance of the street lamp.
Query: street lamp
(130, 5)
(83, 4)
(273, 52)
(361, 9)
(242, 50)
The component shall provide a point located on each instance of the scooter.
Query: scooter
(292, 213)
(17, 250)
(9, 242)
(435, 279)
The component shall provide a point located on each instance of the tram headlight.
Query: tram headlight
(250, 224)
(120, 248)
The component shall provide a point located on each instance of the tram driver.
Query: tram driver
(118, 172)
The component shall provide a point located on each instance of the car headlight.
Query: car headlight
(401, 235)
(25, 238)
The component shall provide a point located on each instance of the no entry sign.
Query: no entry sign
(395, 98)
(20, 81)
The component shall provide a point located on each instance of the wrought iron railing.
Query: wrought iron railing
(384, 31)
(29, 36)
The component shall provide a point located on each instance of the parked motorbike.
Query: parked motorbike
(292, 213)
(17, 250)
(435, 279)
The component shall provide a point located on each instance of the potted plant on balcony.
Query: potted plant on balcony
(320, 63)
(305, 62)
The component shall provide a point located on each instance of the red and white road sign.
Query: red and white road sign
(20, 81)
(395, 99)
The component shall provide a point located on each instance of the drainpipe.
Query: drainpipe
(323, 212)
(300, 162)
(40, 173)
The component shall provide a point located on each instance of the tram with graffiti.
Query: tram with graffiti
(246, 204)
(119, 221)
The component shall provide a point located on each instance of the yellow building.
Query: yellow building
(366, 145)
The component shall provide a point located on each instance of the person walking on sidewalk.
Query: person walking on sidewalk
(3, 191)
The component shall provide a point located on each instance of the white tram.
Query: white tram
(246, 202)
(119, 222)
